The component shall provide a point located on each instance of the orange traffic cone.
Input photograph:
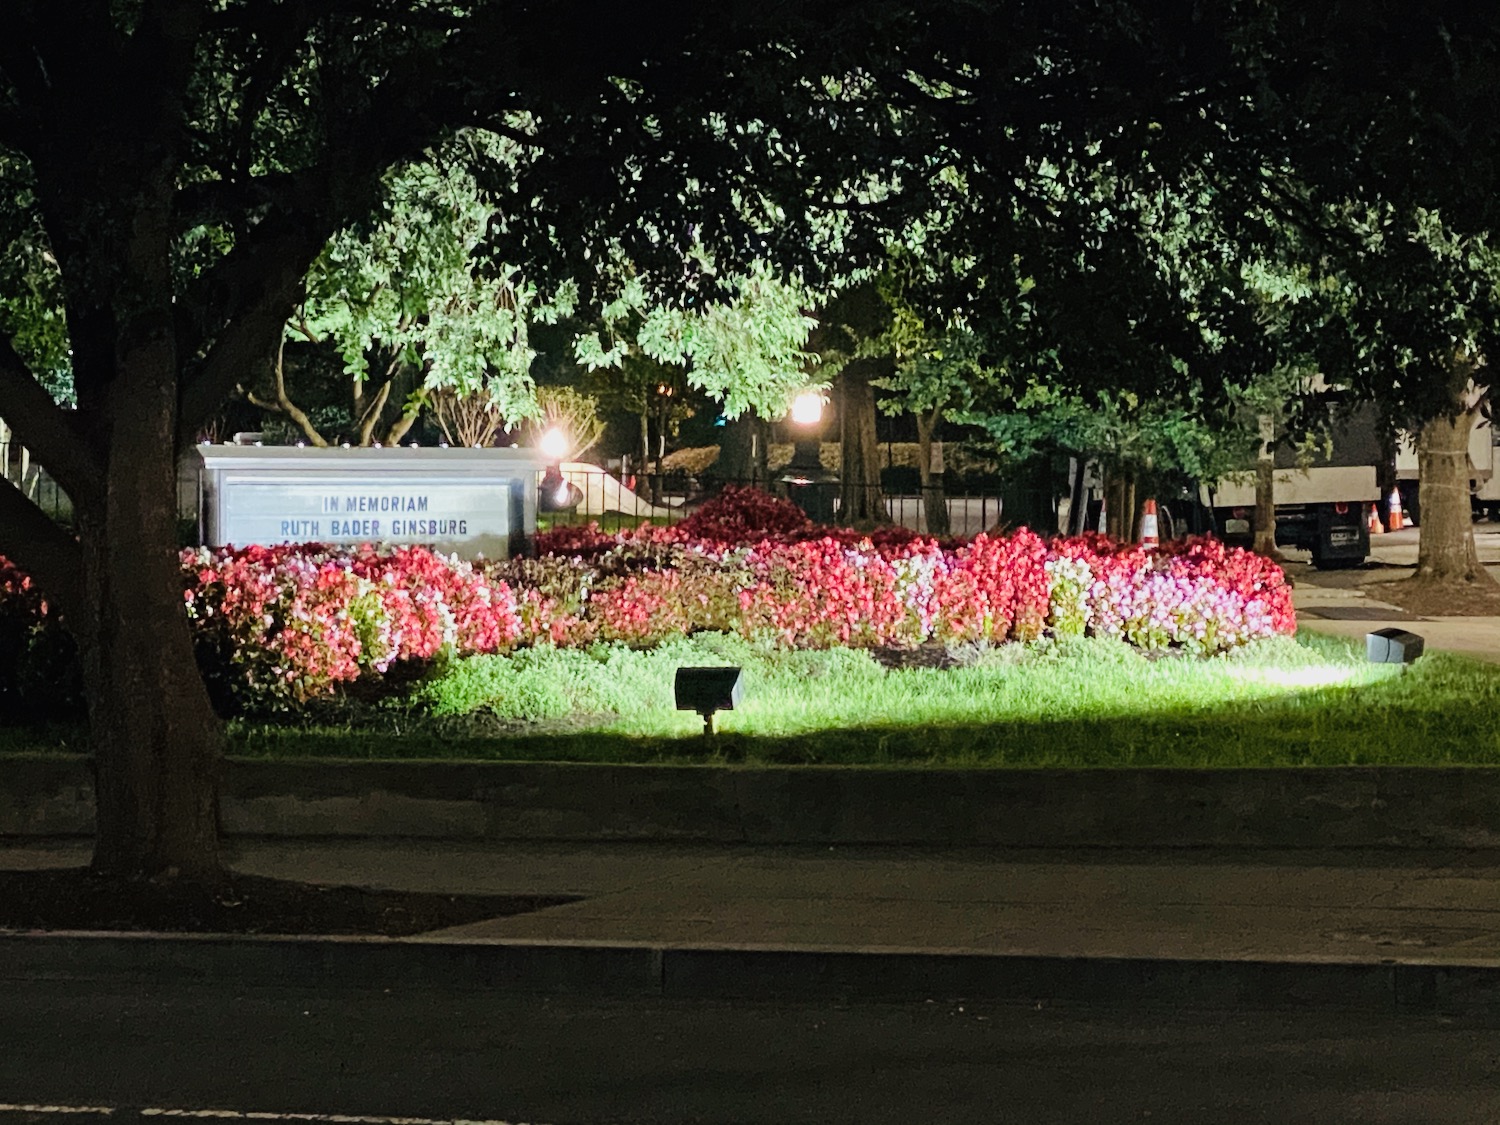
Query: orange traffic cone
(1397, 520)
(1148, 526)
(1373, 523)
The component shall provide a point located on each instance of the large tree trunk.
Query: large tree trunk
(1446, 551)
(934, 499)
(859, 486)
(742, 451)
(155, 738)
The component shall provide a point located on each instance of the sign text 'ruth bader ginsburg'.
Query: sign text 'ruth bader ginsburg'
(474, 502)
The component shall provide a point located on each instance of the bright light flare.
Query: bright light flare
(807, 408)
(554, 444)
(1311, 676)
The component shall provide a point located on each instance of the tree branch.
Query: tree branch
(372, 413)
(260, 288)
(45, 428)
(242, 303)
(213, 201)
(40, 547)
(285, 405)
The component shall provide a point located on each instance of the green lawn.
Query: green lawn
(1313, 701)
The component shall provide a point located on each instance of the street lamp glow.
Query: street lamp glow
(807, 408)
(554, 444)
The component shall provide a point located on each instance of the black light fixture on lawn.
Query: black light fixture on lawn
(706, 690)
(1392, 646)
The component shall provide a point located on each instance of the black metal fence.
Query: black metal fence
(614, 504)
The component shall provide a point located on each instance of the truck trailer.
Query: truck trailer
(1322, 504)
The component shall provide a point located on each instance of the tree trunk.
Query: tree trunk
(1445, 551)
(859, 487)
(1116, 521)
(155, 737)
(742, 451)
(934, 500)
(1264, 542)
(1077, 498)
(661, 449)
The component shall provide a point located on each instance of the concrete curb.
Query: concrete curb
(1375, 806)
(659, 971)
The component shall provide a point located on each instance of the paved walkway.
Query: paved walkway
(1335, 601)
(1067, 903)
(1307, 912)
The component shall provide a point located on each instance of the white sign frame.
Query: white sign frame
(476, 503)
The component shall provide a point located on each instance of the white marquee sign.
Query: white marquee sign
(475, 502)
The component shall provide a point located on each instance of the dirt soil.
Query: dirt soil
(1427, 599)
(1385, 582)
(73, 899)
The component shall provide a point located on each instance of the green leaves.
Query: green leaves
(747, 350)
(409, 287)
(31, 296)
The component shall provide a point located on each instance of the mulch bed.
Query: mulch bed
(74, 899)
(930, 655)
(1433, 599)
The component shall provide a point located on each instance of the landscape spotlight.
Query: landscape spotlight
(706, 690)
(1392, 646)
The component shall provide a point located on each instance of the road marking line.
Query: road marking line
(102, 1110)
(257, 1115)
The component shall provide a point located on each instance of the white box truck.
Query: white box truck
(1484, 482)
(1322, 506)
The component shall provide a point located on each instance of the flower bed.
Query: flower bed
(816, 586)
(39, 677)
(280, 625)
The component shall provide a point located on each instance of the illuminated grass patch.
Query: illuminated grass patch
(1310, 701)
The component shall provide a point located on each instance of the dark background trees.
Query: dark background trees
(180, 165)
(173, 169)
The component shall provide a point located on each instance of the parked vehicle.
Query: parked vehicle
(1323, 506)
(1484, 481)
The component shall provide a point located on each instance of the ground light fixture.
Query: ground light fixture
(1392, 646)
(707, 690)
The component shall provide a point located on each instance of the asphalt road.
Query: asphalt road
(380, 1053)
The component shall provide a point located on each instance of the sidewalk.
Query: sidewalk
(1335, 601)
(1372, 930)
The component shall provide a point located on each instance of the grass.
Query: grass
(1309, 702)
